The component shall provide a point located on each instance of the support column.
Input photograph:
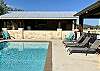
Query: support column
(77, 21)
(20, 30)
(75, 24)
(59, 30)
(75, 29)
(1, 23)
(80, 25)
(4, 25)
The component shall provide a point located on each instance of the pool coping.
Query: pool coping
(25, 40)
(48, 63)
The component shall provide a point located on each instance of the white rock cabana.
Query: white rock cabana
(39, 24)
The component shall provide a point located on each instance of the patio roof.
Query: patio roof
(39, 15)
(91, 11)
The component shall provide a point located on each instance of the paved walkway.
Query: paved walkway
(75, 62)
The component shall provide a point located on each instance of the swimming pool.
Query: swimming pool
(23, 56)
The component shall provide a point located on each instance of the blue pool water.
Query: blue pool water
(23, 56)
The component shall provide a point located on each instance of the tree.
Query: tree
(3, 7)
(97, 27)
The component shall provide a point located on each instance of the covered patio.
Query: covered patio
(90, 12)
(38, 24)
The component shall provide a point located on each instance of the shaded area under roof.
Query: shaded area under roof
(38, 14)
(91, 11)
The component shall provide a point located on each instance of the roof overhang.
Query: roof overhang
(38, 15)
(92, 11)
(43, 18)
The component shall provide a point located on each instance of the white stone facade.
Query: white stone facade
(38, 35)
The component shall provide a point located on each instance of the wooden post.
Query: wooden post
(80, 25)
(75, 29)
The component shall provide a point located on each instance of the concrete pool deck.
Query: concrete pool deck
(75, 62)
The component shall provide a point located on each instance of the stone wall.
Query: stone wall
(17, 34)
(38, 34)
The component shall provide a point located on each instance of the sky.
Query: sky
(53, 5)
(92, 22)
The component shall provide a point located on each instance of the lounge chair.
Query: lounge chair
(79, 40)
(6, 35)
(93, 37)
(88, 50)
(85, 43)
(69, 37)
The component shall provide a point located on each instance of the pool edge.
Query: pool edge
(48, 64)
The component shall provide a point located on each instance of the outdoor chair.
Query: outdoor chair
(79, 40)
(6, 35)
(88, 50)
(85, 43)
(69, 37)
